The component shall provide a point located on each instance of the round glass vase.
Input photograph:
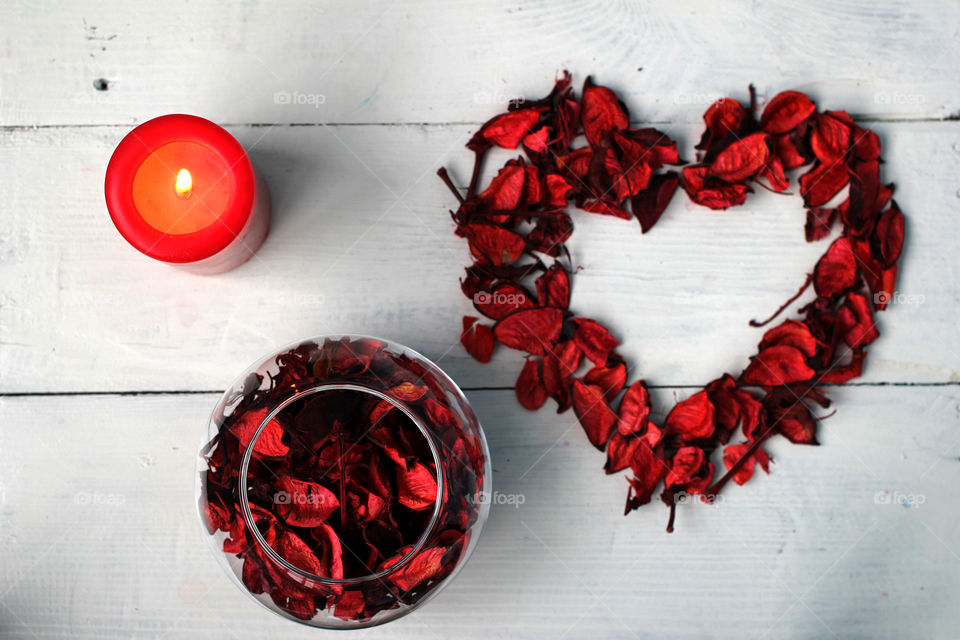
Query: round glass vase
(343, 481)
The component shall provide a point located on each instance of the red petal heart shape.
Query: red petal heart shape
(519, 221)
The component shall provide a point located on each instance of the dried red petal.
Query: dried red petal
(751, 412)
(557, 190)
(723, 118)
(866, 145)
(270, 443)
(686, 462)
(331, 558)
(408, 392)
(566, 121)
(577, 162)
(634, 412)
(855, 322)
(593, 340)
(882, 282)
(416, 487)
(550, 233)
(785, 111)
(743, 159)
(830, 138)
(301, 608)
(605, 207)
(601, 112)
(295, 551)
(216, 516)
(610, 379)
(791, 332)
(302, 503)
(350, 605)
(568, 356)
(532, 330)
(505, 130)
(843, 373)
(477, 338)
(867, 198)
(532, 187)
(425, 565)
(889, 234)
(649, 204)
(653, 435)
(777, 365)
(734, 407)
(836, 271)
(620, 452)
(648, 471)
(795, 422)
(595, 415)
(236, 542)
(711, 192)
(823, 182)
(733, 453)
(721, 394)
(558, 365)
(785, 149)
(531, 392)
(819, 222)
(630, 179)
(506, 189)
(773, 172)
(553, 287)
(494, 245)
(692, 419)
(502, 301)
(439, 414)
(648, 145)
(537, 141)
(382, 408)
(253, 575)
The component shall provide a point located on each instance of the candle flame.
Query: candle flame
(184, 183)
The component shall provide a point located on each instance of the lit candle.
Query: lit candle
(182, 190)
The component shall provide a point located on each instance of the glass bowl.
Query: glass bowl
(343, 481)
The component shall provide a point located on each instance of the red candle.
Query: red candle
(182, 190)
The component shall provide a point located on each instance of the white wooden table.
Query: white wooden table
(110, 362)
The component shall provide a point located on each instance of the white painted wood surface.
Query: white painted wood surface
(443, 61)
(101, 540)
(362, 243)
(98, 536)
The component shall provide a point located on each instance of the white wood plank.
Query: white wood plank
(99, 537)
(442, 61)
(362, 243)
